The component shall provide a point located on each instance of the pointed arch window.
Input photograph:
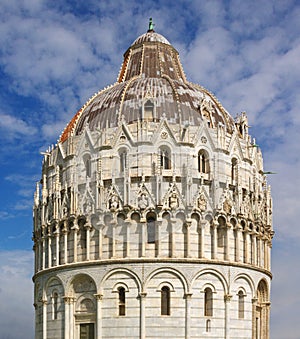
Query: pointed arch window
(151, 229)
(122, 301)
(165, 301)
(165, 158)
(203, 162)
(123, 160)
(87, 165)
(208, 302)
(241, 304)
(233, 171)
(148, 110)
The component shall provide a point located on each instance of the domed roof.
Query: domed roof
(151, 74)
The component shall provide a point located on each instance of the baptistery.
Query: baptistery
(153, 217)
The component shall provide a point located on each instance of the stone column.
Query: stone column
(202, 238)
(157, 238)
(44, 302)
(226, 254)
(172, 235)
(246, 246)
(214, 243)
(88, 230)
(128, 224)
(188, 297)
(75, 229)
(143, 244)
(99, 316)
(100, 240)
(238, 242)
(113, 238)
(67, 301)
(227, 298)
(254, 316)
(142, 315)
(71, 317)
(65, 233)
(49, 251)
(43, 253)
(188, 224)
(57, 247)
(254, 248)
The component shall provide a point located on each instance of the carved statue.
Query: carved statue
(173, 201)
(113, 202)
(143, 201)
(227, 205)
(202, 203)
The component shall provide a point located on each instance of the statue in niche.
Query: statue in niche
(113, 203)
(202, 203)
(173, 201)
(88, 206)
(227, 206)
(143, 201)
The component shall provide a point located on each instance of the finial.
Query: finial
(151, 25)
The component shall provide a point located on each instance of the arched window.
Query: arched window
(233, 171)
(54, 306)
(241, 305)
(122, 301)
(123, 160)
(87, 164)
(208, 302)
(203, 163)
(208, 325)
(151, 229)
(148, 110)
(165, 158)
(165, 300)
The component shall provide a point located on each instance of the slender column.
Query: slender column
(188, 235)
(202, 238)
(228, 228)
(71, 317)
(142, 315)
(188, 297)
(67, 317)
(65, 233)
(43, 252)
(157, 238)
(100, 240)
(44, 301)
(143, 243)
(99, 316)
(227, 298)
(254, 248)
(238, 243)
(88, 230)
(57, 247)
(128, 224)
(254, 319)
(75, 229)
(214, 241)
(246, 247)
(172, 235)
(258, 240)
(49, 251)
(265, 254)
(113, 232)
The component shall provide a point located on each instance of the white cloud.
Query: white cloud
(16, 307)
(12, 127)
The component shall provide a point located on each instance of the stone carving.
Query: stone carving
(113, 202)
(143, 201)
(227, 205)
(173, 201)
(202, 203)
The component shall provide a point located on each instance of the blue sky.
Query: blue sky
(54, 55)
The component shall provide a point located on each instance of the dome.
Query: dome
(151, 70)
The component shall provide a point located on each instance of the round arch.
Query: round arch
(217, 274)
(173, 271)
(133, 275)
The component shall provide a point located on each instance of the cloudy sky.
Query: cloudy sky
(54, 55)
